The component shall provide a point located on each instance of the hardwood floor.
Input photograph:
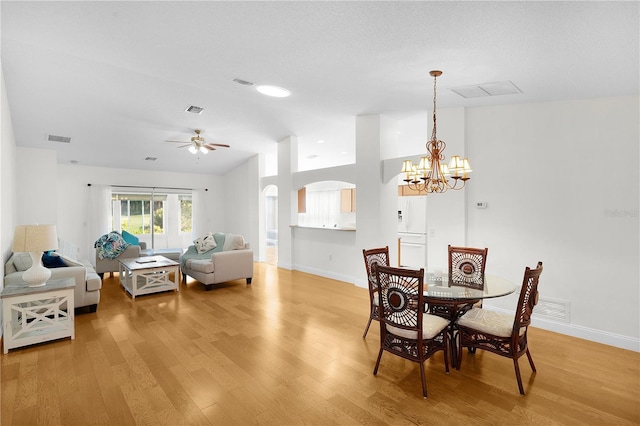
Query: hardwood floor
(288, 350)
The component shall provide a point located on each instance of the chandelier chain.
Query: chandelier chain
(433, 132)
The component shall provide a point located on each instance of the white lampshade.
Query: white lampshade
(35, 239)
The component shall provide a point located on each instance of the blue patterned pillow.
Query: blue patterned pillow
(110, 245)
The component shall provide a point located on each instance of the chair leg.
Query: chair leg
(424, 383)
(366, 330)
(375, 370)
(517, 367)
(446, 353)
(533, 366)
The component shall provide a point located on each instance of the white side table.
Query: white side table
(37, 314)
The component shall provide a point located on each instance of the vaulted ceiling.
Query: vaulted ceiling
(116, 77)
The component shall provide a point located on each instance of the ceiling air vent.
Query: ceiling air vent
(194, 109)
(557, 310)
(243, 82)
(487, 89)
(63, 139)
(150, 158)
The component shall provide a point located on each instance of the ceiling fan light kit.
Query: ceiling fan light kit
(198, 144)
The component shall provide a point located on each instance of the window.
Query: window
(132, 213)
(162, 219)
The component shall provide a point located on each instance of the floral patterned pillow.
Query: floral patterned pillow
(110, 245)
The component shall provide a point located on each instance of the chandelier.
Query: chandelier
(432, 173)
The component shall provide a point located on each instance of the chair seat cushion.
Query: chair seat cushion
(376, 299)
(432, 325)
(200, 265)
(490, 322)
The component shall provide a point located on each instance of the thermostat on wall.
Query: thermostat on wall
(481, 205)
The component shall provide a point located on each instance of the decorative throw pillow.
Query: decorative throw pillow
(50, 260)
(110, 245)
(67, 249)
(22, 261)
(205, 243)
(233, 242)
(130, 238)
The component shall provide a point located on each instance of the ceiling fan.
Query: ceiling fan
(198, 144)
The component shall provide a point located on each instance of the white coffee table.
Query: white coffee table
(149, 274)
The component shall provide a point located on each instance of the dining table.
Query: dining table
(450, 299)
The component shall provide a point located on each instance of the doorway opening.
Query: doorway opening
(271, 224)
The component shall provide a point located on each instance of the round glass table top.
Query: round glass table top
(437, 285)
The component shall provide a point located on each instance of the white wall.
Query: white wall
(554, 175)
(8, 202)
(241, 202)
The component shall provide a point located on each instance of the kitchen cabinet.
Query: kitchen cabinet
(302, 200)
(347, 200)
(404, 191)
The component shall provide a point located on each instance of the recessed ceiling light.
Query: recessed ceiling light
(344, 152)
(275, 91)
(321, 141)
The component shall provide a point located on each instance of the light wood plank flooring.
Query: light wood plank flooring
(288, 350)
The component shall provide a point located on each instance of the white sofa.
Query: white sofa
(218, 265)
(88, 283)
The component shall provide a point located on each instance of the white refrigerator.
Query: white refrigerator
(412, 231)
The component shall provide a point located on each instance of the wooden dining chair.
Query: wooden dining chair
(405, 329)
(503, 334)
(372, 256)
(466, 266)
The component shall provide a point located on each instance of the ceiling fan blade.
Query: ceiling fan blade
(184, 146)
(178, 141)
(209, 147)
(219, 144)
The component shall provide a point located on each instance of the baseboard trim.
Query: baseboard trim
(593, 335)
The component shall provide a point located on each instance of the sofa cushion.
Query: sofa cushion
(205, 243)
(233, 242)
(22, 261)
(130, 238)
(200, 265)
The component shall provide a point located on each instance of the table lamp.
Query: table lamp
(35, 239)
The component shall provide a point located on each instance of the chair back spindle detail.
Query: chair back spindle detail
(467, 265)
(371, 257)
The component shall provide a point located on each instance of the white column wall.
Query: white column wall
(287, 200)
